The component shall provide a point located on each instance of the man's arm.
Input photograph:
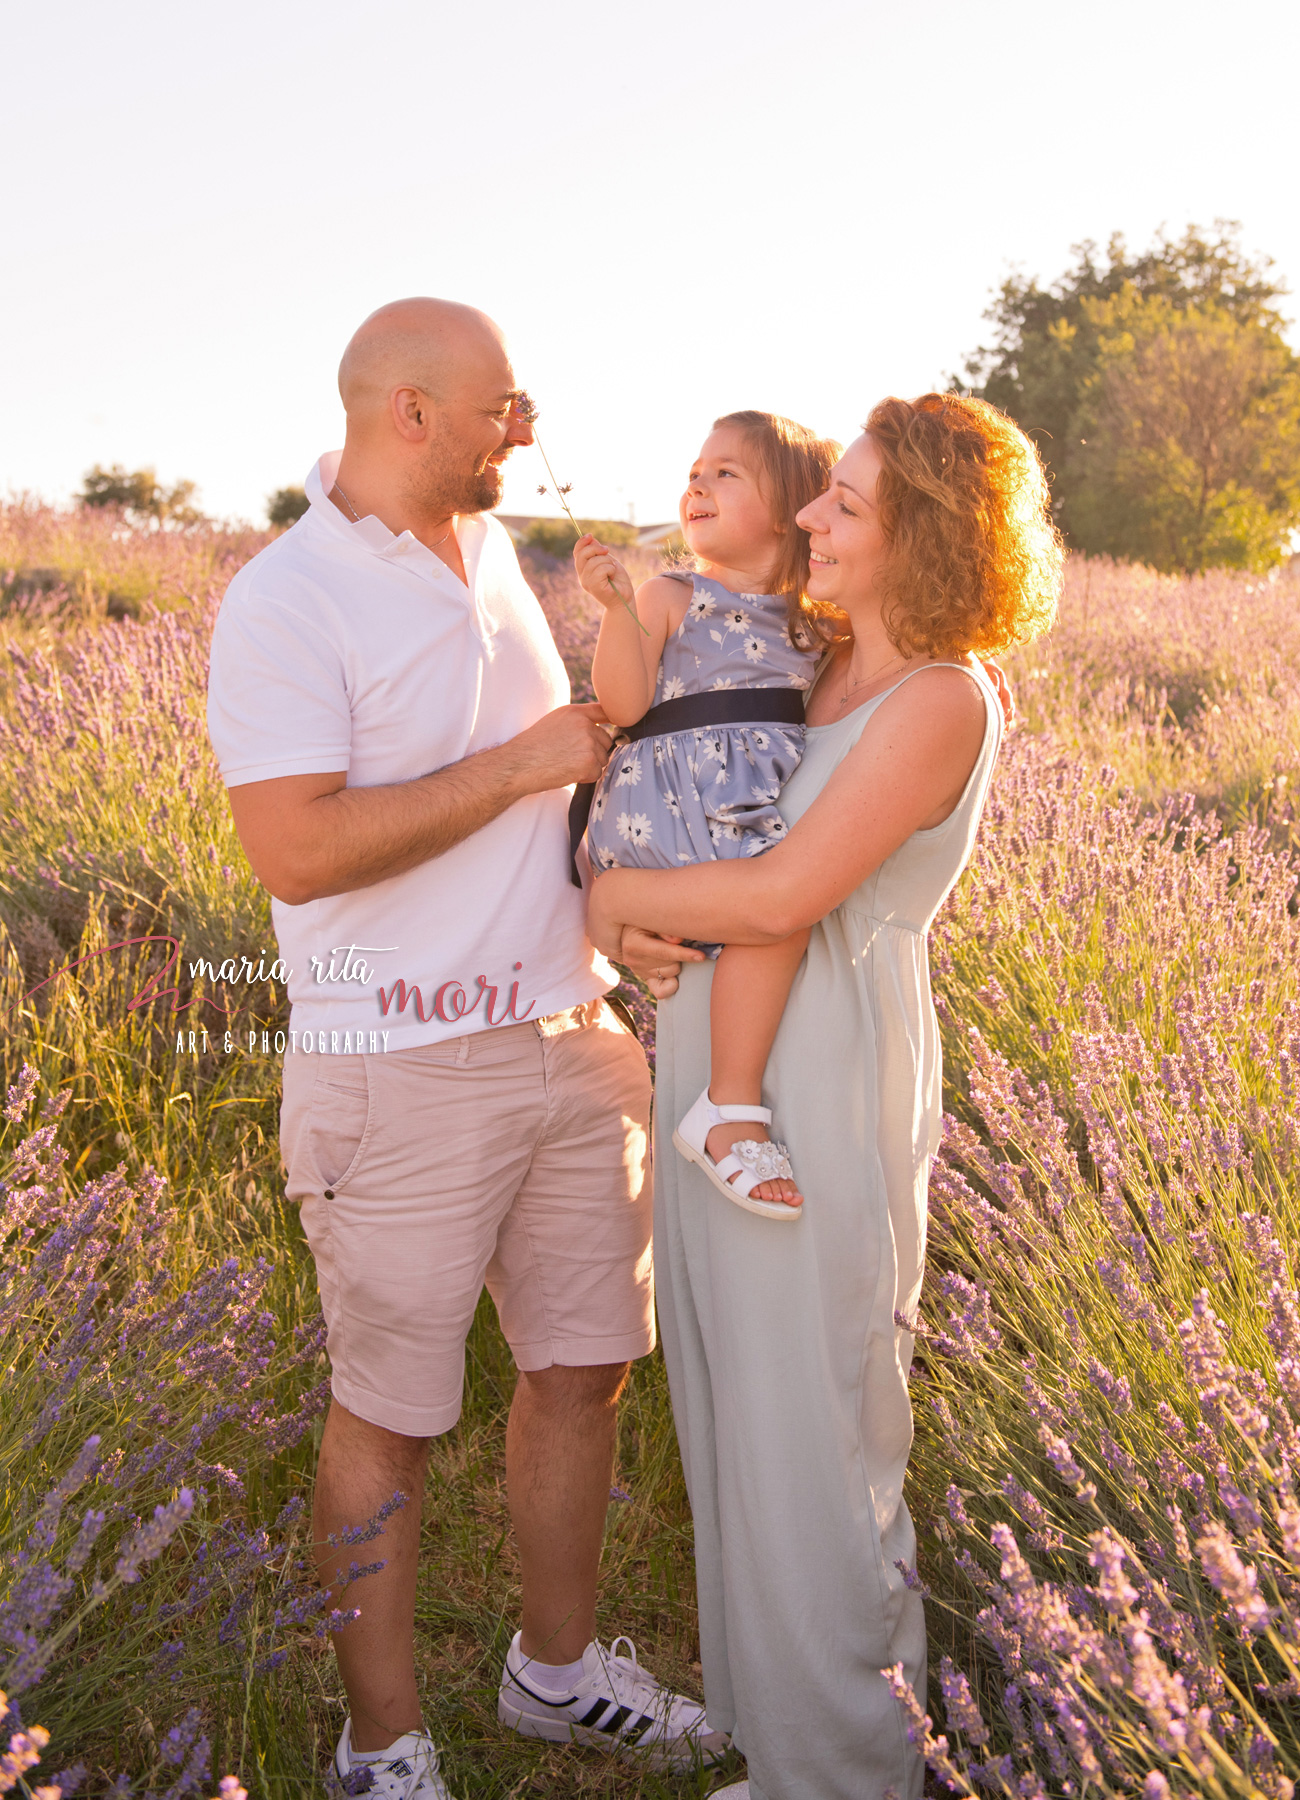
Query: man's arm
(310, 836)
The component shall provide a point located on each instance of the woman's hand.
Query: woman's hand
(601, 574)
(658, 961)
(603, 928)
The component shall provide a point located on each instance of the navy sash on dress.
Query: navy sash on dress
(690, 712)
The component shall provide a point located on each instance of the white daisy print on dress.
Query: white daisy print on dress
(606, 858)
(800, 681)
(755, 648)
(723, 681)
(673, 804)
(598, 806)
(673, 688)
(712, 749)
(736, 619)
(703, 606)
(634, 828)
(629, 771)
(760, 740)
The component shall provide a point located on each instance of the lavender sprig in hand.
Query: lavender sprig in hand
(526, 407)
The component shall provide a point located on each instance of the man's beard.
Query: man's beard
(446, 484)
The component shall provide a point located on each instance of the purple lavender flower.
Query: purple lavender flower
(971, 1333)
(365, 1534)
(1107, 1557)
(1236, 1581)
(153, 1537)
(959, 1704)
(20, 1094)
(911, 1578)
(1060, 1456)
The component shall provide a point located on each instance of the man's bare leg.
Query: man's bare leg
(361, 1466)
(559, 1465)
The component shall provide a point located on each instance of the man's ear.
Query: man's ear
(410, 412)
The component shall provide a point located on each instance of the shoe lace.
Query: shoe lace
(419, 1770)
(633, 1686)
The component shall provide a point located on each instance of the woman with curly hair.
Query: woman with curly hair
(787, 1351)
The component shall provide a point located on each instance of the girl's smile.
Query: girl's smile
(725, 514)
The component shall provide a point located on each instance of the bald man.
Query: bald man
(461, 1106)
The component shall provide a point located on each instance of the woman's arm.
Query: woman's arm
(906, 773)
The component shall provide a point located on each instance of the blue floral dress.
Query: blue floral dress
(709, 794)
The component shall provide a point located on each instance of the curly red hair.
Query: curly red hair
(974, 562)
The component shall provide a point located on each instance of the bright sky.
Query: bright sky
(673, 209)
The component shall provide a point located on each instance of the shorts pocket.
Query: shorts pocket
(341, 1107)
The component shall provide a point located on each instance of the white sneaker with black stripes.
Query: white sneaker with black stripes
(407, 1770)
(615, 1705)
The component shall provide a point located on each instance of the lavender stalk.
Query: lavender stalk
(526, 407)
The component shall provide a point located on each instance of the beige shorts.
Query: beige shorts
(517, 1157)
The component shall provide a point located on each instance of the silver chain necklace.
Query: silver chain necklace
(864, 679)
(357, 516)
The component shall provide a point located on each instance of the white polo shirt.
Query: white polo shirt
(343, 647)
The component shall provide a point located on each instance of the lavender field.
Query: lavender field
(1107, 1375)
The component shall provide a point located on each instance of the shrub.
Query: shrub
(285, 506)
(557, 537)
(139, 494)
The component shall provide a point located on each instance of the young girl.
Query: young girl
(713, 691)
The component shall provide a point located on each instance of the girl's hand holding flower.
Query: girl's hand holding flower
(601, 574)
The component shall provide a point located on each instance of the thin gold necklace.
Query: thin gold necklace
(864, 679)
(357, 516)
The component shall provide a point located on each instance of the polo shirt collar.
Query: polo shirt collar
(370, 531)
(373, 535)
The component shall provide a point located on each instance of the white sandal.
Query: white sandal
(751, 1161)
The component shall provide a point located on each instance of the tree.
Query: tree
(1162, 396)
(1188, 453)
(139, 492)
(286, 505)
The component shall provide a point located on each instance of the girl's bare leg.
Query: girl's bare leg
(751, 984)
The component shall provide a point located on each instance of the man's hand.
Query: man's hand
(311, 836)
(567, 745)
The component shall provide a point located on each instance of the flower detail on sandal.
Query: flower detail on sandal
(768, 1161)
(748, 1163)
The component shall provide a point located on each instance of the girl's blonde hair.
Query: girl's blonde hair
(796, 467)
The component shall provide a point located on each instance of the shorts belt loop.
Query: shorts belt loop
(462, 1050)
